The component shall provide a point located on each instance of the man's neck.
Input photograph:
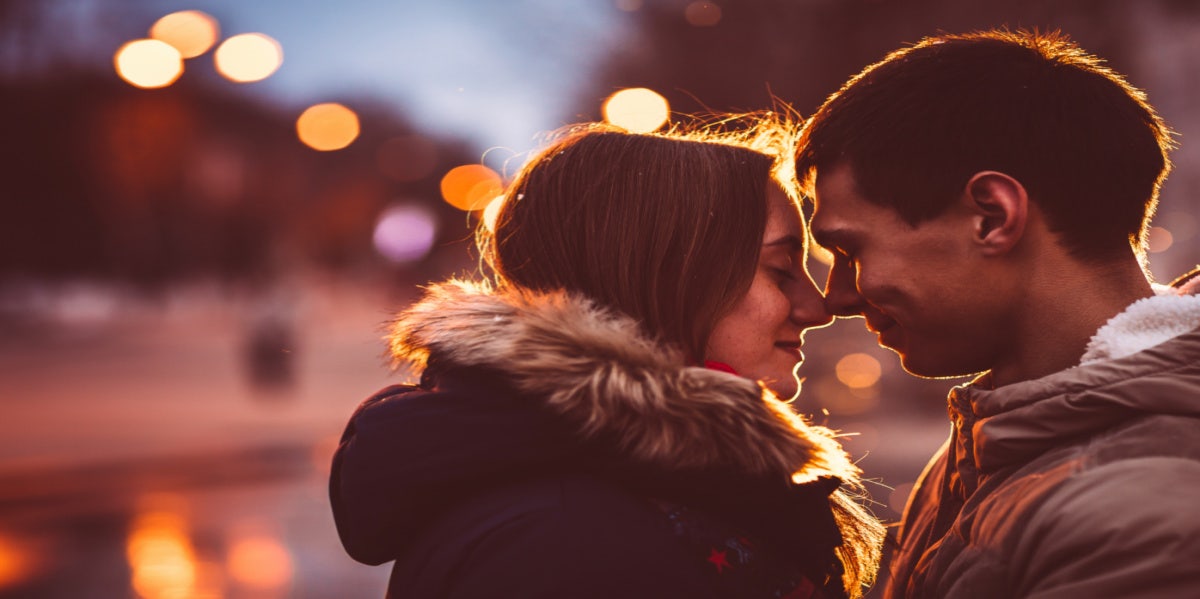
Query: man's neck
(1066, 304)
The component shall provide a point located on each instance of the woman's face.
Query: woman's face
(761, 335)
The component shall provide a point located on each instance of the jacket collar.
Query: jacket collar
(598, 371)
(1017, 422)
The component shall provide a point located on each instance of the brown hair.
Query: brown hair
(917, 125)
(665, 228)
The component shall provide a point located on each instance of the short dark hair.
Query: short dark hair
(914, 127)
(664, 228)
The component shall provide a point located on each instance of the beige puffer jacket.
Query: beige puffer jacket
(1084, 483)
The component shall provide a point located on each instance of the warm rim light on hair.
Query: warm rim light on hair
(148, 63)
(189, 31)
(327, 127)
(248, 57)
(637, 110)
(492, 212)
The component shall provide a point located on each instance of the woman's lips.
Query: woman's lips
(791, 347)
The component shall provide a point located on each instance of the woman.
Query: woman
(591, 425)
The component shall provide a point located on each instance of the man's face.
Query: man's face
(924, 290)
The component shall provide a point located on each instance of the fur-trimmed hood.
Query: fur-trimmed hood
(597, 370)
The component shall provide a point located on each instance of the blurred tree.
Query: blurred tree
(802, 50)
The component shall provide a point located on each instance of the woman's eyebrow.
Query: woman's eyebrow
(789, 241)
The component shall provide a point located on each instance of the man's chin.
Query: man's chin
(927, 367)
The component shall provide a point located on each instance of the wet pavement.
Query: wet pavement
(141, 457)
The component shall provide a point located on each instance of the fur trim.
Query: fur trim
(598, 369)
(1144, 324)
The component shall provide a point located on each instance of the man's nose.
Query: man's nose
(841, 291)
(808, 305)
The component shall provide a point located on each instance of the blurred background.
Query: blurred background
(209, 209)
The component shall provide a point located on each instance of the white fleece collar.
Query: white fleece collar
(1144, 324)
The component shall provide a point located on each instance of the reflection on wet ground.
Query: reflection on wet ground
(245, 524)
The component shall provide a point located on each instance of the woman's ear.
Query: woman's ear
(1000, 211)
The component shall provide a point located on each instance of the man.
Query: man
(986, 198)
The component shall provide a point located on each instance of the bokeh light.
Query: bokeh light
(248, 57)
(858, 371)
(637, 110)
(260, 562)
(405, 233)
(407, 158)
(1159, 240)
(161, 559)
(702, 14)
(471, 186)
(189, 31)
(327, 127)
(17, 562)
(148, 63)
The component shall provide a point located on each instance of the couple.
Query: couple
(604, 419)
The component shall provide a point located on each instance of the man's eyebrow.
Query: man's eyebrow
(793, 243)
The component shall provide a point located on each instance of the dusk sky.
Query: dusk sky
(497, 73)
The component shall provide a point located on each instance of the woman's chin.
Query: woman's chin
(785, 387)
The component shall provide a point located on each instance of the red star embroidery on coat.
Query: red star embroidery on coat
(719, 559)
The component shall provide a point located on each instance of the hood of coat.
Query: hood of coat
(597, 371)
(518, 385)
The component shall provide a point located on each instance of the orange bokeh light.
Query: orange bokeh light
(260, 562)
(858, 371)
(189, 31)
(327, 127)
(1159, 239)
(17, 562)
(160, 556)
(471, 186)
(248, 57)
(637, 110)
(148, 63)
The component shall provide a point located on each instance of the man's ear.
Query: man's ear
(1000, 211)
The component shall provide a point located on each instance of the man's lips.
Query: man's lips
(880, 326)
